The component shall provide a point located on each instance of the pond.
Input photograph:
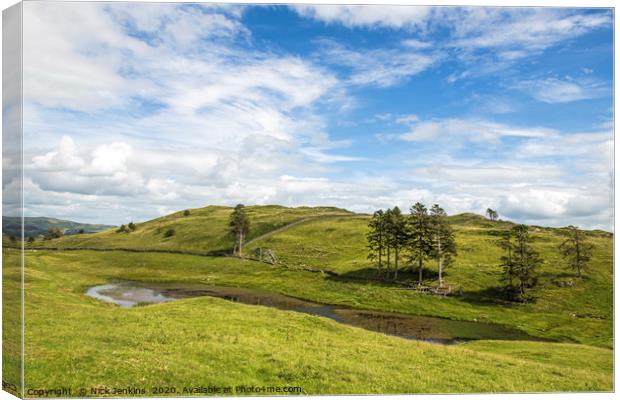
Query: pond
(430, 329)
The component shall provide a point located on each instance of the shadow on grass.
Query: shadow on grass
(406, 277)
(494, 295)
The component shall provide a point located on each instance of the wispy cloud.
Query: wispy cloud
(368, 16)
(380, 67)
(468, 129)
(553, 90)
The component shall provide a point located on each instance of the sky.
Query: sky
(137, 110)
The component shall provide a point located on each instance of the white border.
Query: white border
(554, 3)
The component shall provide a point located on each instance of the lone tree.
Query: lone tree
(397, 237)
(524, 262)
(492, 214)
(444, 245)
(420, 235)
(575, 250)
(239, 225)
(376, 238)
(131, 226)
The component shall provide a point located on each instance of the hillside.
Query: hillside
(35, 226)
(567, 308)
(203, 230)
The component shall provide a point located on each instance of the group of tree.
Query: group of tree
(520, 261)
(492, 214)
(414, 238)
(239, 226)
(127, 229)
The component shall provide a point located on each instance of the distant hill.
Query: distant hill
(34, 226)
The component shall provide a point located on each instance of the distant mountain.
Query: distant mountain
(34, 226)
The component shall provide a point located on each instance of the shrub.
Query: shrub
(185, 213)
(122, 229)
(131, 226)
(81, 231)
(169, 232)
(31, 239)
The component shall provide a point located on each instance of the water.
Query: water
(430, 329)
(126, 295)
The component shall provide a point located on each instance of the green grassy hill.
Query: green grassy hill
(333, 240)
(203, 230)
(321, 255)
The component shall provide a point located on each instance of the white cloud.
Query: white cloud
(556, 203)
(553, 90)
(492, 175)
(368, 15)
(378, 67)
(64, 157)
(512, 33)
(469, 129)
(517, 32)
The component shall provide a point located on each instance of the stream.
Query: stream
(429, 329)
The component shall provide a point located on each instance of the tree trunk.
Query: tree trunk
(420, 267)
(396, 262)
(241, 245)
(380, 251)
(387, 270)
(439, 261)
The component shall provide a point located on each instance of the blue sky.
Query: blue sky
(134, 110)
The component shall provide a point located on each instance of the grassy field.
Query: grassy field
(72, 340)
(232, 344)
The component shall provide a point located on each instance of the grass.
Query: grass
(238, 344)
(75, 341)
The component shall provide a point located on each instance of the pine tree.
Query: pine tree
(398, 235)
(526, 260)
(239, 226)
(443, 240)
(420, 236)
(575, 251)
(376, 238)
